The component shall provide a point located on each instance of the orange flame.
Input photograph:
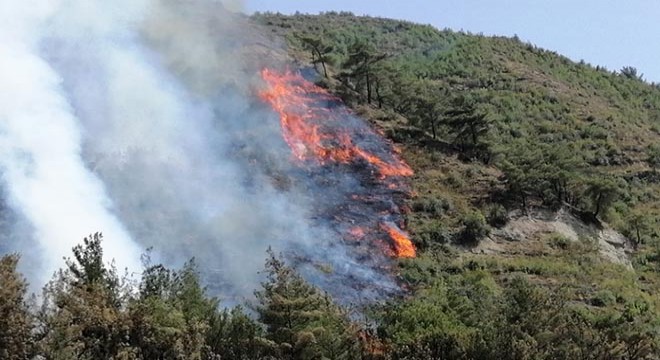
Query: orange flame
(301, 119)
(403, 247)
(320, 133)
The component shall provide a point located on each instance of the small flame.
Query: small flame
(403, 247)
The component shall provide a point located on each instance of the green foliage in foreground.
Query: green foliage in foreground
(89, 312)
(15, 319)
(463, 312)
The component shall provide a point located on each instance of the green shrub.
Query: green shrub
(454, 180)
(559, 241)
(497, 215)
(432, 233)
(433, 206)
(475, 228)
(603, 298)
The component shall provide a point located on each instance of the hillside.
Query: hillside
(318, 187)
(527, 163)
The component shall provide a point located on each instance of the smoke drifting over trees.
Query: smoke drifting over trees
(138, 119)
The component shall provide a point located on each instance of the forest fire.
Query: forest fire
(323, 134)
(313, 131)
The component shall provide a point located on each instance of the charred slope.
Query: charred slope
(556, 133)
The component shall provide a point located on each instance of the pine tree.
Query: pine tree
(15, 319)
(300, 321)
(428, 106)
(170, 317)
(653, 157)
(469, 127)
(359, 66)
(234, 335)
(82, 312)
(321, 52)
(602, 192)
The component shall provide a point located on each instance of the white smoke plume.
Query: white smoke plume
(40, 148)
(137, 118)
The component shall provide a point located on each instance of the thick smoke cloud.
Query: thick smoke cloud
(40, 155)
(138, 118)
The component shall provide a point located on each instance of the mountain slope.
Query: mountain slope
(552, 134)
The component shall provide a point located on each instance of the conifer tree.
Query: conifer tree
(234, 335)
(469, 127)
(321, 52)
(82, 314)
(653, 157)
(301, 322)
(359, 66)
(170, 317)
(15, 318)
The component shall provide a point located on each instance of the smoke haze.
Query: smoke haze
(40, 148)
(137, 118)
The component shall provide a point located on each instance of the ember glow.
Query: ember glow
(356, 233)
(322, 132)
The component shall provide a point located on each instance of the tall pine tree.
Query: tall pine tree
(301, 322)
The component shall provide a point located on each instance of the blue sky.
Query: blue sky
(612, 33)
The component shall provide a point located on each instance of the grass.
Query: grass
(602, 119)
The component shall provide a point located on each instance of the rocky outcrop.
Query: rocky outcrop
(538, 224)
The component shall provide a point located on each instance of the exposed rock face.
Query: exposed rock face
(524, 230)
(614, 246)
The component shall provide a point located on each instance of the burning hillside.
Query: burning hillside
(317, 127)
(323, 134)
(139, 120)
